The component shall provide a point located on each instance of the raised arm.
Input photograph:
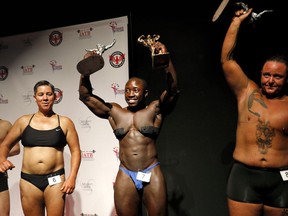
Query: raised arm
(170, 95)
(234, 74)
(96, 104)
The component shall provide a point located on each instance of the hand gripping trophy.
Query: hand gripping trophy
(93, 60)
(159, 59)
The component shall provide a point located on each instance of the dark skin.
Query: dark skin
(261, 139)
(137, 151)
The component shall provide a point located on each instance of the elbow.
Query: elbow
(16, 152)
(83, 97)
(13, 152)
(224, 59)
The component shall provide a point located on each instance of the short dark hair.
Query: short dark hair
(144, 82)
(279, 58)
(41, 83)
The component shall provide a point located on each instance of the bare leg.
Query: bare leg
(4, 203)
(55, 200)
(248, 209)
(270, 211)
(126, 197)
(242, 208)
(155, 194)
(31, 199)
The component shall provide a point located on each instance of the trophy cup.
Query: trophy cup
(93, 60)
(159, 60)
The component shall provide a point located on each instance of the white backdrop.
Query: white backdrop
(53, 55)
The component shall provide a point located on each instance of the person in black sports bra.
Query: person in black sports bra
(258, 181)
(5, 126)
(44, 135)
(137, 127)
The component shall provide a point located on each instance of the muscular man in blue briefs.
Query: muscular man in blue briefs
(136, 126)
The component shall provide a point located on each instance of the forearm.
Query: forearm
(75, 164)
(232, 34)
(171, 78)
(15, 150)
(230, 40)
(4, 152)
(85, 87)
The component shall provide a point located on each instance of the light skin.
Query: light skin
(262, 109)
(137, 150)
(44, 160)
(5, 127)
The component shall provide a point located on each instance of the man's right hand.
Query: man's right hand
(6, 165)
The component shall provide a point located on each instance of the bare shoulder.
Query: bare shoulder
(66, 121)
(5, 124)
(116, 105)
(67, 124)
(154, 103)
(24, 118)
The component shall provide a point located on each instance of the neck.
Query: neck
(136, 108)
(46, 114)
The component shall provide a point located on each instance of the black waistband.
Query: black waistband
(272, 169)
(58, 172)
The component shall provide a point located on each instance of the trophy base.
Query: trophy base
(90, 64)
(160, 60)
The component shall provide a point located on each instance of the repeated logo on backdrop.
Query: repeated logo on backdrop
(3, 73)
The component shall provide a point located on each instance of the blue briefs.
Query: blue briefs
(133, 174)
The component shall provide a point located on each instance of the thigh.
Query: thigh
(54, 199)
(126, 197)
(155, 194)
(4, 203)
(277, 191)
(245, 184)
(272, 211)
(4, 195)
(31, 199)
(244, 209)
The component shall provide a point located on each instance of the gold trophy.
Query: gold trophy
(159, 60)
(93, 60)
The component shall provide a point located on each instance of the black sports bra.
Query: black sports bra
(47, 138)
(148, 131)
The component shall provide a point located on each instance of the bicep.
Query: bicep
(98, 106)
(167, 102)
(72, 137)
(235, 76)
